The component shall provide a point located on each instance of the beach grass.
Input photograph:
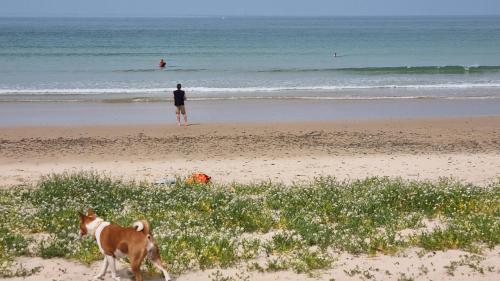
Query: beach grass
(264, 227)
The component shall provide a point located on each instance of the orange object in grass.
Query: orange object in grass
(198, 178)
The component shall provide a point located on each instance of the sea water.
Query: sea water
(250, 57)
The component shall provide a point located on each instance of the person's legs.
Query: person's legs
(183, 111)
(178, 113)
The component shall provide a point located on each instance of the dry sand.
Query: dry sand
(464, 148)
(412, 263)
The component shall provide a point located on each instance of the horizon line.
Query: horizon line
(245, 16)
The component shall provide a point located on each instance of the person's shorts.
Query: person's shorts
(180, 109)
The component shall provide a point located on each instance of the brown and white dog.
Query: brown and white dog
(115, 241)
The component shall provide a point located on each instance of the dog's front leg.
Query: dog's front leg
(158, 265)
(103, 269)
(112, 265)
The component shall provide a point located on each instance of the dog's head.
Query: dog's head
(86, 222)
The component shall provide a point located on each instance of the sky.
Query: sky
(158, 8)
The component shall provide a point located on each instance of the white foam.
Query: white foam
(347, 87)
(346, 98)
(97, 91)
(81, 91)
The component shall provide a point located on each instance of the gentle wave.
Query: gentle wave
(449, 69)
(386, 70)
(80, 91)
(347, 87)
(337, 98)
(75, 54)
(243, 98)
(243, 89)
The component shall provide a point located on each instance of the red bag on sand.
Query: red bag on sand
(198, 178)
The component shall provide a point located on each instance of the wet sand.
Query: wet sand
(261, 110)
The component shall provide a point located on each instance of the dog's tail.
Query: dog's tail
(143, 226)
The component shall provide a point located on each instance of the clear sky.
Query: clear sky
(246, 7)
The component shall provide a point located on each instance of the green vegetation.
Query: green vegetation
(202, 226)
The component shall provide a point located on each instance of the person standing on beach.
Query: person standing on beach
(179, 98)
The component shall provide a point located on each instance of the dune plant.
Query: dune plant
(210, 226)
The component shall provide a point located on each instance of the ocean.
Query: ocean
(76, 59)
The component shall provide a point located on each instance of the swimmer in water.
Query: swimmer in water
(162, 63)
(334, 55)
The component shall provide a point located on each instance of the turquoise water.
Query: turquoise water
(411, 57)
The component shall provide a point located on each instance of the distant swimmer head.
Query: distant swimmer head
(162, 63)
(179, 86)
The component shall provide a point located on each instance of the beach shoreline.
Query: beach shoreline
(235, 111)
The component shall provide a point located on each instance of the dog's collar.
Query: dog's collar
(97, 233)
(102, 224)
(92, 227)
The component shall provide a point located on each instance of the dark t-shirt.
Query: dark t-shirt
(179, 97)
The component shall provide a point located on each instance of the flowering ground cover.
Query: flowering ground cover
(263, 227)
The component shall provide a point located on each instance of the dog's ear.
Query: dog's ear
(91, 213)
(81, 215)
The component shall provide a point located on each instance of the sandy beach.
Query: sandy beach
(411, 264)
(467, 149)
(463, 148)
